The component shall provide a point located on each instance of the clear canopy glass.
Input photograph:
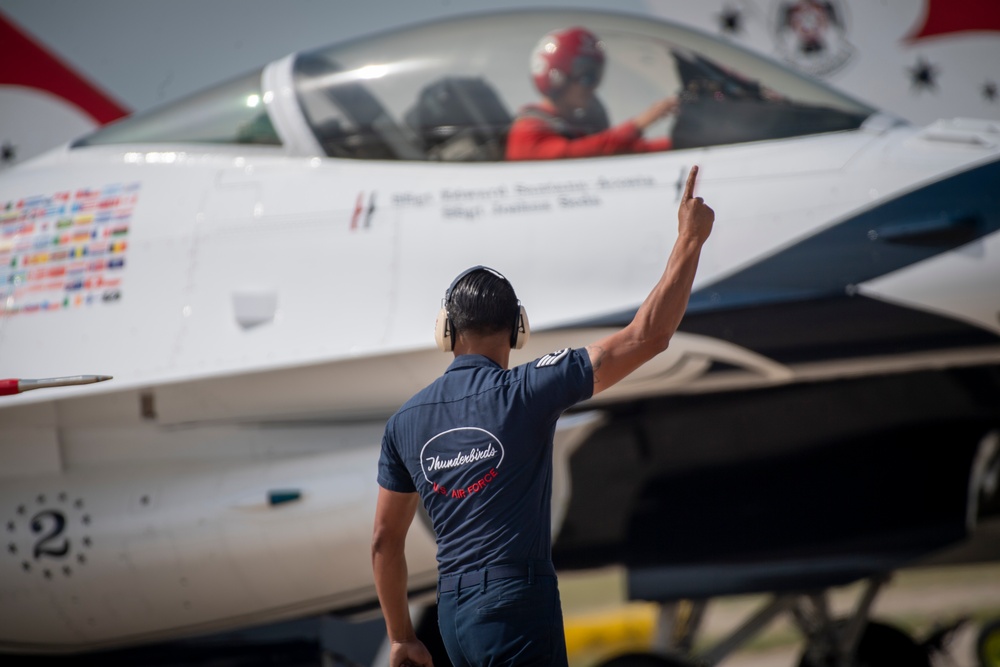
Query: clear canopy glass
(233, 113)
(450, 90)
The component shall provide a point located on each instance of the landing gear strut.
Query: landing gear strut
(854, 641)
(880, 645)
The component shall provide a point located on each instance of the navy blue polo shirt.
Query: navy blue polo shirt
(477, 446)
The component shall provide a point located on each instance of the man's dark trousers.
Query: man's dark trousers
(510, 622)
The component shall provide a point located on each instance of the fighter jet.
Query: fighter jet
(259, 266)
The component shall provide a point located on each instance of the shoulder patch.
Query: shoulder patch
(552, 358)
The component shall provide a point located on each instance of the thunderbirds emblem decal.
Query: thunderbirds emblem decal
(812, 35)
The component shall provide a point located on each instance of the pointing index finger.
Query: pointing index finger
(689, 188)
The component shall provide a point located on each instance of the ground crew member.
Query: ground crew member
(476, 447)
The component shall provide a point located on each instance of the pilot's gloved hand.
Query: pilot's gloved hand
(658, 110)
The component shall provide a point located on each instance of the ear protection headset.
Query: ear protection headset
(444, 331)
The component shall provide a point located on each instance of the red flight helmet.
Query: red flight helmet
(565, 55)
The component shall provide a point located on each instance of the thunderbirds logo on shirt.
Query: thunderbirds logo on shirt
(461, 462)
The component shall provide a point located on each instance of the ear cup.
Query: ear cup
(522, 330)
(443, 333)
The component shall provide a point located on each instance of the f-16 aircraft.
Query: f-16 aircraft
(259, 266)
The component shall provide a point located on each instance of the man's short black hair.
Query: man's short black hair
(482, 302)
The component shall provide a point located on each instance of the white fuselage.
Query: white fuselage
(271, 311)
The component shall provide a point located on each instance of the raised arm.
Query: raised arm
(658, 317)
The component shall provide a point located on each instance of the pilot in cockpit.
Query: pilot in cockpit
(566, 67)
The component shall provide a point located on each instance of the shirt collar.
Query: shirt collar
(472, 361)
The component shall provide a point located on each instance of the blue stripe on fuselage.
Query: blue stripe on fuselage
(908, 229)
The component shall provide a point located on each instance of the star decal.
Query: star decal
(731, 21)
(923, 75)
(990, 91)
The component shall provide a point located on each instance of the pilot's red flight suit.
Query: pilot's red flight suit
(540, 134)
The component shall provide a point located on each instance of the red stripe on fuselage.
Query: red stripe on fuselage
(955, 16)
(25, 62)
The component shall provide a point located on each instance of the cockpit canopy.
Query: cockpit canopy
(449, 91)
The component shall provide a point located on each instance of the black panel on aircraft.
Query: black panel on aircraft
(720, 107)
(801, 486)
